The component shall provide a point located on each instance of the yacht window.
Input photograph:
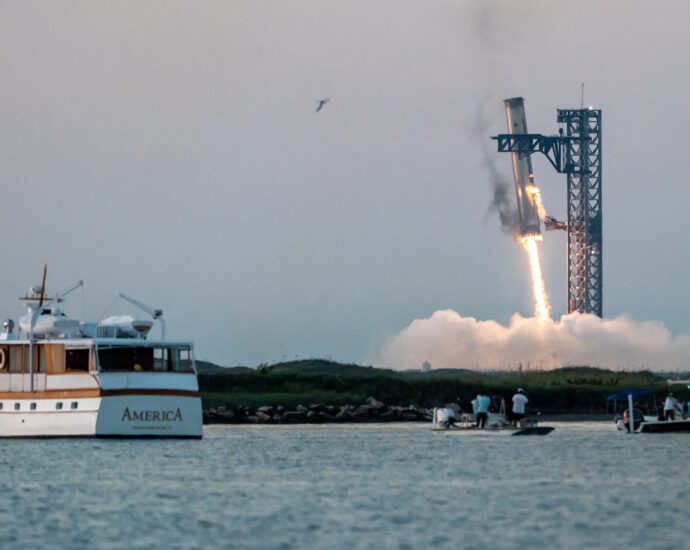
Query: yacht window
(74, 405)
(174, 360)
(1, 404)
(77, 360)
(16, 406)
(58, 406)
(16, 357)
(33, 406)
(42, 363)
(126, 359)
(160, 360)
(4, 358)
(180, 360)
(55, 354)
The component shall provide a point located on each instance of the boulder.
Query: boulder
(226, 416)
(322, 417)
(302, 409)
(332, 409)
(373, 402)
(312, 417)
(263, 417)
(294, 417)
(389, 416)
(363, 412)
(267, 409)
(426, 414)
(344, 414)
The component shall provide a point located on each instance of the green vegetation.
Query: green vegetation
(566, 390)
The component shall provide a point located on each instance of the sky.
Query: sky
(171, 151)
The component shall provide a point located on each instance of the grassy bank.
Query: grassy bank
(567, 390)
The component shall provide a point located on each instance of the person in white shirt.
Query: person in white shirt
(670, 406)
(483, 403)
(519, 402)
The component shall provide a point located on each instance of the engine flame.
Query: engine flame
(542, 309)
(535, 195)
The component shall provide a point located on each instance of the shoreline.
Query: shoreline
(371, 412)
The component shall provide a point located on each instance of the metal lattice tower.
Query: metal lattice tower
(582, 164)
(576, 152)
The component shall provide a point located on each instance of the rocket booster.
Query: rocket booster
(528, 213)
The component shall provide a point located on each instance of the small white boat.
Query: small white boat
(651, 424)
(445, 421)
(647, 417)
(63, 378)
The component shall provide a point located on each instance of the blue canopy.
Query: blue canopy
(623, 394)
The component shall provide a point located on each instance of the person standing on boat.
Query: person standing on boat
(670, 406)
(519, 402)
(483, 404)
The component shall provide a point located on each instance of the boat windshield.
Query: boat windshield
(147, 359)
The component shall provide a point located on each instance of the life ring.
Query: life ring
(3, 358)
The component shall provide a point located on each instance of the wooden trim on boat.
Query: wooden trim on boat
(92, 392)
(135, 391)
(50, 394)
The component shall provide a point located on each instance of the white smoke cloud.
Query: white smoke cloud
(449, 340)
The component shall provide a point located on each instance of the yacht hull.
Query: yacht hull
(132, 415)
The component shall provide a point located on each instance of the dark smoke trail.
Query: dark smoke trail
(502, 189)
(502, 193)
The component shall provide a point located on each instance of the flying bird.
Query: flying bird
(322, 103)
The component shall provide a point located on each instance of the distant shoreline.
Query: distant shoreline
(320, 391)
(214, 417)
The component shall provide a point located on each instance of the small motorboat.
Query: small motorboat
(652, 425)
(445, 420)
(646, 418)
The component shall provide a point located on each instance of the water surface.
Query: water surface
(387, 486)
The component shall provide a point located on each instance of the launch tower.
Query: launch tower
(575, 152)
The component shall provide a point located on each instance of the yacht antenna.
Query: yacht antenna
(60, 295)
(43, 285)
(34, 317)
(156, 313)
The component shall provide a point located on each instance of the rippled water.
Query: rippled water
(390, 486)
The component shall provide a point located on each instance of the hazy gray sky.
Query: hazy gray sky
(170, 150)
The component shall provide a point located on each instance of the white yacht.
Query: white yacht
(63, 378)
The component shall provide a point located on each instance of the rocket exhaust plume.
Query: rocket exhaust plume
(542, 309)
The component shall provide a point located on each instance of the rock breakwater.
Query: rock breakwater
(318, 413)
